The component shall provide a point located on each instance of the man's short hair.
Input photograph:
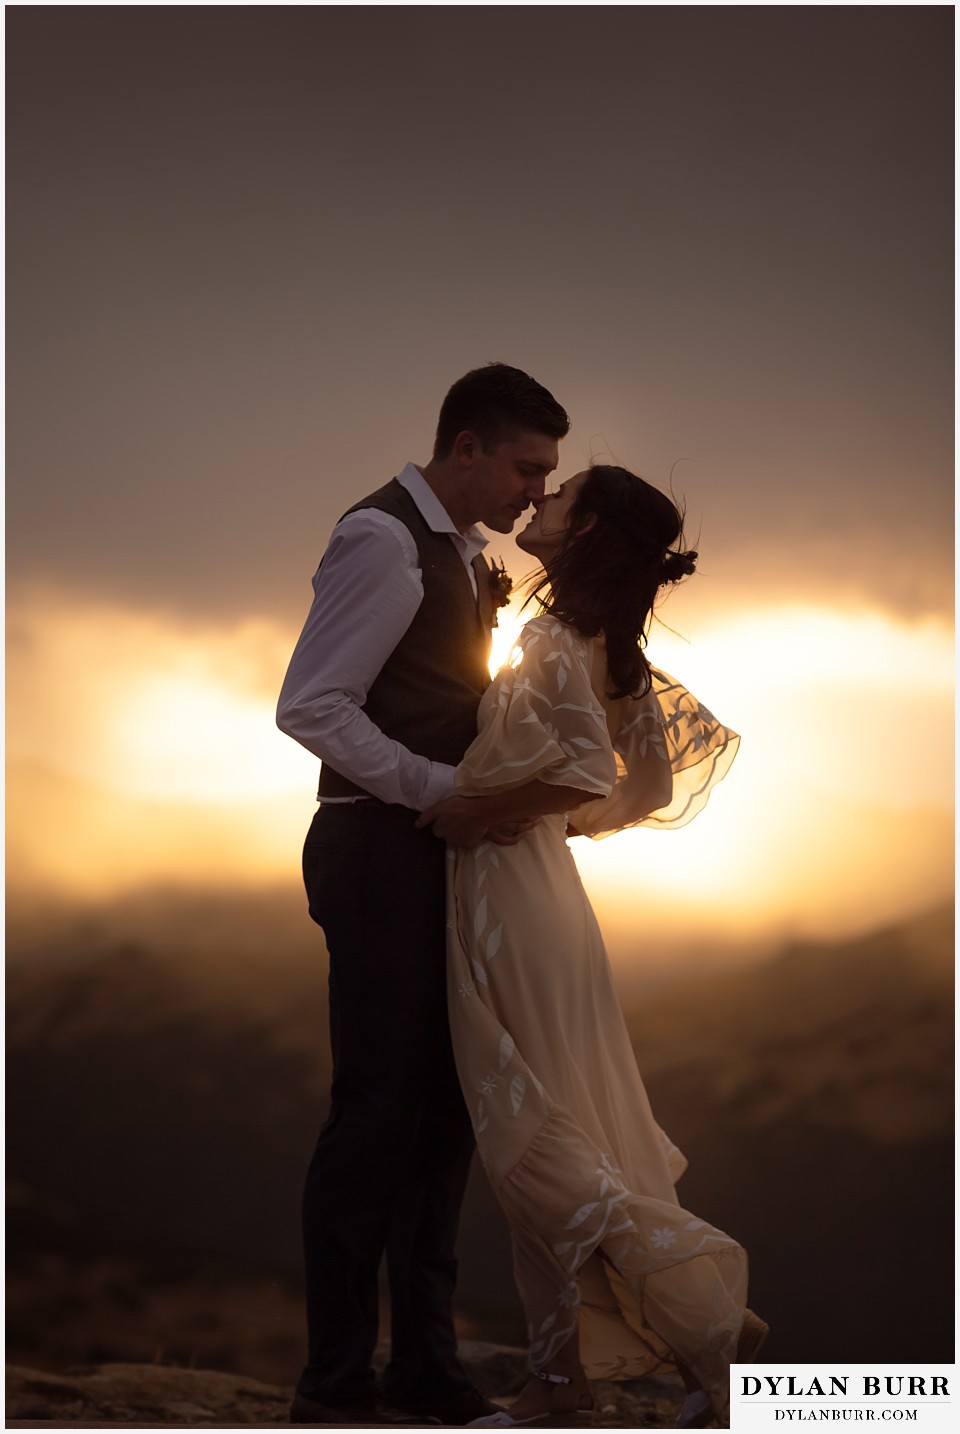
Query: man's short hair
(497, 402)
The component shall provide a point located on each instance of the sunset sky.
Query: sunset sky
(250, 248)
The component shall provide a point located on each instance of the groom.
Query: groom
(383, 687)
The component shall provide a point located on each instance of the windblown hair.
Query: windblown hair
(496, 403)
(607, 574)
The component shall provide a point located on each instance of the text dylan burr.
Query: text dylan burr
(890, 1386)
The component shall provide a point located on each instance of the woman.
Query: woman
(616, 1278)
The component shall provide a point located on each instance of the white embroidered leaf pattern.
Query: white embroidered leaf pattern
(518, 1089)
(581, 1215)
(480, 916)
(493, 941)
(562, 1249)
(548, 1323)
(480, 974)
(506, 1048)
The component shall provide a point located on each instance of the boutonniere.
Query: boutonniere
(501, 586)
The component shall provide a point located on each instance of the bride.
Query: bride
(617, 1279)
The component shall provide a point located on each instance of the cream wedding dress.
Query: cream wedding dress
(563, 1125)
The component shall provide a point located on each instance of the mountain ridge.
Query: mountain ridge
(164, 1099)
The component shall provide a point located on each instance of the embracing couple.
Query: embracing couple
(471, 1002)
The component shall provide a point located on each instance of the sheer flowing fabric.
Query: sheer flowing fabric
(563, 1125)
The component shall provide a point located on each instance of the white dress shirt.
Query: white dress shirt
(366, 593)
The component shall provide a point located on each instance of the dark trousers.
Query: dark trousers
(390, 1167)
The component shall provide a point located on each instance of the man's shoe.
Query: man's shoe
(366, 1411)
(455, 1407)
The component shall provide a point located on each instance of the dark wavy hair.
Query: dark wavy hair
(607, 574)
(496, 403)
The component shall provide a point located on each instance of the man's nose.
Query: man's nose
(536, 490)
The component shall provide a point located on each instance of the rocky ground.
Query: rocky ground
(153, 1395)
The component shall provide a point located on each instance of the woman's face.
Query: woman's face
(546, 531)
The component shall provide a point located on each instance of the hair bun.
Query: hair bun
(677, 565)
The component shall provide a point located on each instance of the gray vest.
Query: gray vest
(427, 692)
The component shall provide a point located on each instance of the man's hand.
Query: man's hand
(503, 817)
(466, 821)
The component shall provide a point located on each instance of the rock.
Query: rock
(142, 1394)
(155, 1394)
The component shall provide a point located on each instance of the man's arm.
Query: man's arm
(366, 594)
(467, 821)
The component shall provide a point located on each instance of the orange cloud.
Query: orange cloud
(143, 751)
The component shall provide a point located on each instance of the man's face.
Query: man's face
(502, 484)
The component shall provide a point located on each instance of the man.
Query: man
(383, 687)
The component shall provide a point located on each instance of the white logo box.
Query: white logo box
(778, 1397)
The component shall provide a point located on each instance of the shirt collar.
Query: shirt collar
(435, 514)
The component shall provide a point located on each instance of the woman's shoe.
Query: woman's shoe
(568, 1406)
(697, 1411)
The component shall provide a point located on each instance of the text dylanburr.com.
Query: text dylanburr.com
(768, 1397)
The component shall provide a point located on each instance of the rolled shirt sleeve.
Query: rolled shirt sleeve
(366, 593)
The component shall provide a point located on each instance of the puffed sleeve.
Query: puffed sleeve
(671, 753)
(541, 719)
